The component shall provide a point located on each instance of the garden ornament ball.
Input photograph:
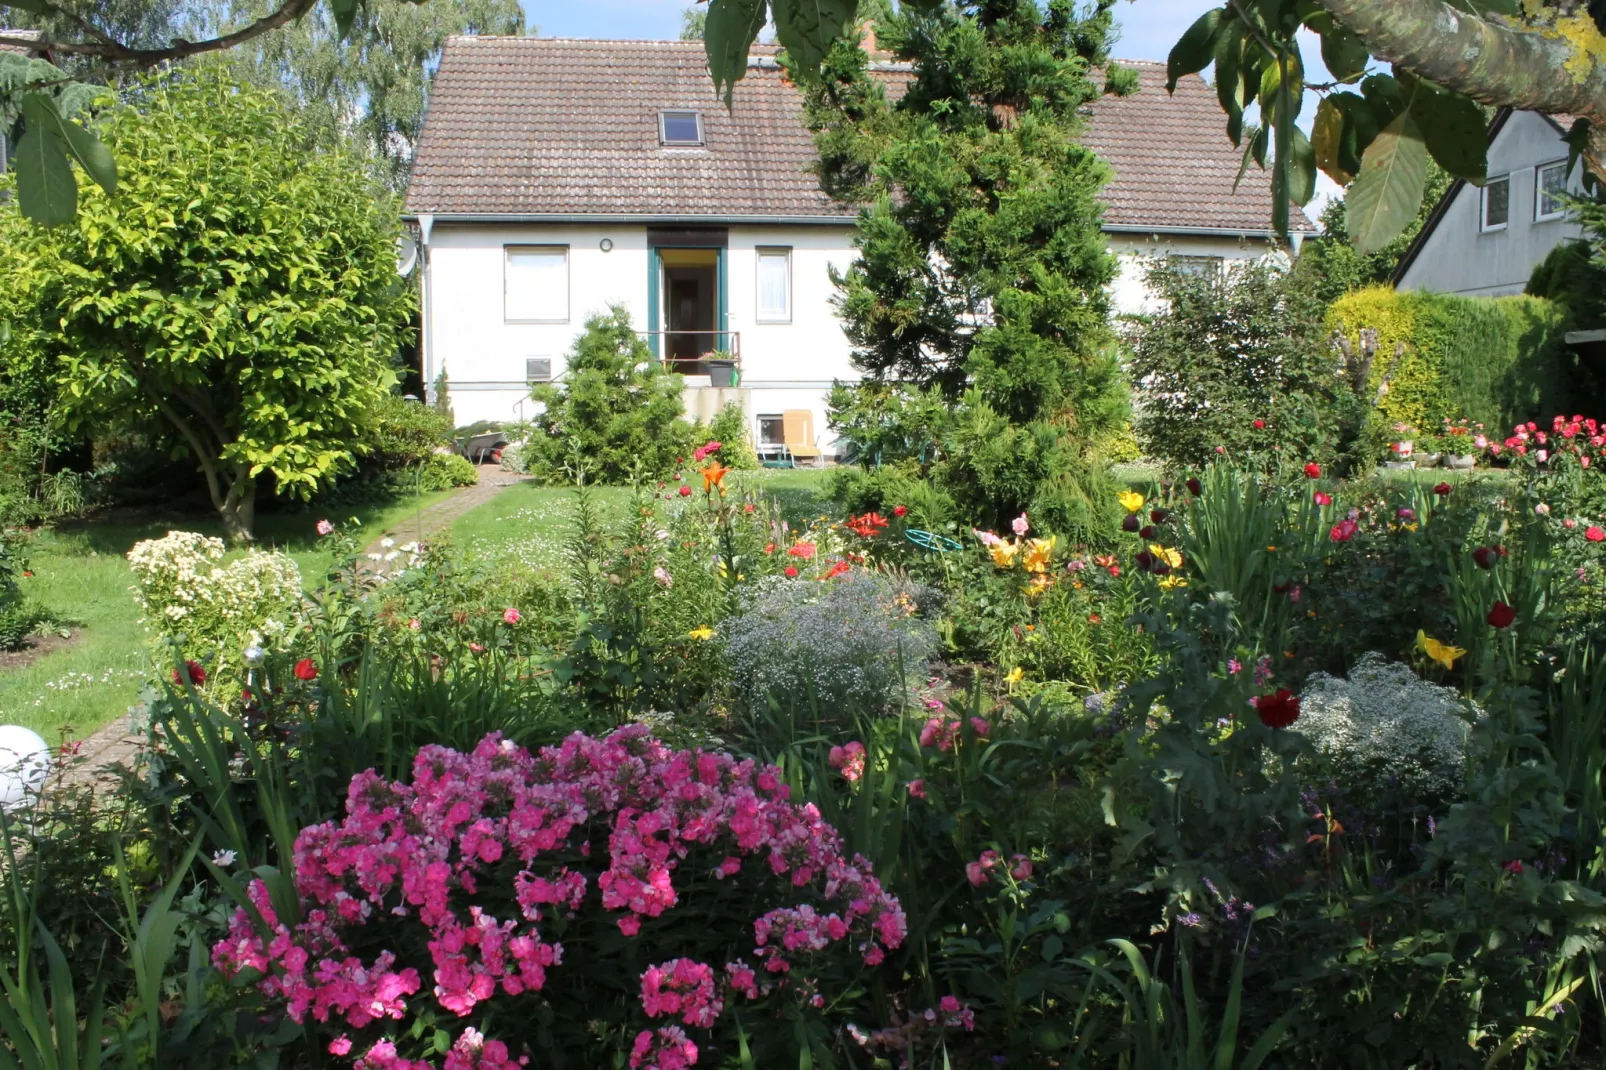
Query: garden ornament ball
(24, 764)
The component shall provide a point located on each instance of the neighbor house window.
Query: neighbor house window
(680, 128)
(535, 284)
(775, 286)
(1550, 187)
(772, 430)
(1496, 203)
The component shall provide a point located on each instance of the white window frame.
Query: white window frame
(663, 128)
(760, 314)
(1484, 226)
(507, 258)
(759, 423)
(1539, 191)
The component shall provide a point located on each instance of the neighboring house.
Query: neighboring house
(556, 177)
(1486, 242)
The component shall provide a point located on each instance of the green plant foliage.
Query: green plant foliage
(729, 428)
(1331, 266)
(237, 297)
(1495, 361)
(616, 413)
(1224, 352)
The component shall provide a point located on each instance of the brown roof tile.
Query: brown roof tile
(554, 127)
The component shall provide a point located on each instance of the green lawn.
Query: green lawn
(79, 571)
(528, 524)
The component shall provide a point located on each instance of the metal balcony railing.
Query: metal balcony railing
(688, 352)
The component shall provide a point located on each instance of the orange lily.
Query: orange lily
(714, 476)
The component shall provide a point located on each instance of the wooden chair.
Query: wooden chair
(797, 426)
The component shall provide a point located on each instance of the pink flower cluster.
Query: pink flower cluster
(500, 823)
(849, 758)
(978, 872)
(1581, 438)
(943, 732)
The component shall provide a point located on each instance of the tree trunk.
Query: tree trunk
(238, 507)
(1498, 65)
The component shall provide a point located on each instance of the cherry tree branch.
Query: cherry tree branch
(105, 48)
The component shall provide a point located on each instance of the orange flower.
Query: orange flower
(714, 476)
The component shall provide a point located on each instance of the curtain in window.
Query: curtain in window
(774, 285)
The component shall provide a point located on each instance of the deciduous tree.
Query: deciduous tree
(238, 294)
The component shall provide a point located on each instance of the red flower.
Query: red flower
(838, 569)
(1321, 497)
(1195, 488)
(1160, 516)
(791, 572)
(1146, 532)
(194, 671)
(306, 670)
(1130, 522)
(1278, 710)
(1501, 615)
(1260, 425)
(1442, 490)
(1344, 530)
(1594, 534)
(900, 510)
(866, 526)
(685, 491)
(1313, 470)
(1486, 556)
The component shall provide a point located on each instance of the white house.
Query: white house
(1485, 242)
(556, 177)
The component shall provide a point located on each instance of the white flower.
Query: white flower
(393, 555)
(223, 859)
(387, 542)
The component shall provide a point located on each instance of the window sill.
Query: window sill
(1557, 218)
(1494, 230)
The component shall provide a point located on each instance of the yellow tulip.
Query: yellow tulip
(1131, 500)
(1443, 653)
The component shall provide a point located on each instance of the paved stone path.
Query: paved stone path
(119, 743)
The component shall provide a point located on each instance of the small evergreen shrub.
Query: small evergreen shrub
(846, 645)
(442, 471)
(406, 433)
(617, 412)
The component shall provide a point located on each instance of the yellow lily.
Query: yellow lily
(1170, 556)
(1003, 553)
(1014, 676)
(704, 633)
(1443, 653)
(1039, 552)
(1131, 500)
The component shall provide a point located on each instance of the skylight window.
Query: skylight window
(680, 128)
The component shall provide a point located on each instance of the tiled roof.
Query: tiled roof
(1174, 166)
(552, 127)
(19, 49)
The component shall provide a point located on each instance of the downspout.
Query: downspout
(426, 346)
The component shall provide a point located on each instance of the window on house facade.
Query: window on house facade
(1206, 267)
(1550, 187)
(1496, 204)
(775, 285)
(680, 128)
(535, 284)
(772, 430)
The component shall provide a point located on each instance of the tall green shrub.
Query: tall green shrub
(616, 412)
(1493, 360)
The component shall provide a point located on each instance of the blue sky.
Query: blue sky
(1148, 30)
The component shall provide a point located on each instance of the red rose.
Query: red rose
(900, 510)
(791, 572)
(1442, 490)
(1594, 534)
(1313, 470)
(1278, 710)
(1260, 425)
(194, 671)
(1195, 488)
(306, 670)
(1501, 615)
(685, 491)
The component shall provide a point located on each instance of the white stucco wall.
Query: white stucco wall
(1130, 295)
(1460, 258)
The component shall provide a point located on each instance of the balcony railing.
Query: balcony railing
(688, 352)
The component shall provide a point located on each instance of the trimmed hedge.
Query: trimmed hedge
(1495, 360)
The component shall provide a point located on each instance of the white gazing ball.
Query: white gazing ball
(24, 765)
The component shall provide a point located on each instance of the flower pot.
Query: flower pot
(722, 373)
(1461, 462)
(1427, 460)
(1399, 464)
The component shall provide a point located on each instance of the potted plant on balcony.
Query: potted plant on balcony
(722, 370)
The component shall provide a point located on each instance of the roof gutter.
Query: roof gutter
(1209, 232)
(676, 219)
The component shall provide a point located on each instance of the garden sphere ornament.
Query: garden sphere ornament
(24, 765)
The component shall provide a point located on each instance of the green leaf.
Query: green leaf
(1229, 81)
(731, 29)
(1194, 50)
(1385, 196)
(1344, 54)
(806, 28)
(47, 192)
(83, 146)
(1455, 132)
(1301, 169)
(1327, 139)
(345, 12)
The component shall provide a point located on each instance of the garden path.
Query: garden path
(96, 758)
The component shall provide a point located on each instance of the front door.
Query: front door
(690, 289)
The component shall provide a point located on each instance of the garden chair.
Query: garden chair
(797, 426)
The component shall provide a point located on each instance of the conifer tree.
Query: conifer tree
(982, 268)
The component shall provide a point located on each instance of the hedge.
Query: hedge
(1496, 360)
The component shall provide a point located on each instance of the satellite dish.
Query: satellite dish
(406, 254)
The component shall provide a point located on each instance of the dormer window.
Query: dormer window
(680, 128)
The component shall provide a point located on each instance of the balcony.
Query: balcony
(689, 352)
